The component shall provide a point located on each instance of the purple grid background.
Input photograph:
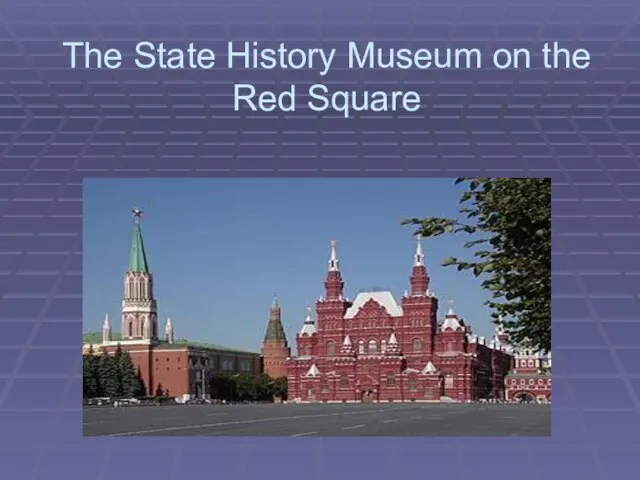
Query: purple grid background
(580, 128)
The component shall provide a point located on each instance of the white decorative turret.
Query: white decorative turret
(451, 321)
(347, 346)
(106, 329)
(308, 327)
(500, 336)
(168, 331)
(393, 348)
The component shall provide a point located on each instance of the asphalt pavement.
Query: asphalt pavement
(324, 420)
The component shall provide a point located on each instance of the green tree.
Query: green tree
(264, 388)
(90, 376)
(117, 361)
(222, 387)
(509, 221)
(127, 378)
(280, 388)
(142, 390)
(245, 387)
(108, 372)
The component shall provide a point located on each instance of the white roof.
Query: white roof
(384, 299)
(308, 329)
(452, 322)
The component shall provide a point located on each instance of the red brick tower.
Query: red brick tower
(420, 307)
(332, 307)
(275, 349)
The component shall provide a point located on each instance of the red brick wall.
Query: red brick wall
(165, 370)
(171, 372)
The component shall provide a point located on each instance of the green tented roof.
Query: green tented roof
(138, 256)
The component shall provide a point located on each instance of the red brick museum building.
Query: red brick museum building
(376, 349)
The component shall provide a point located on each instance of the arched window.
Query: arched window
(383, 346)
(417, 345)
(373, 347)
(361, 347)
(331, 348)
(130, 328)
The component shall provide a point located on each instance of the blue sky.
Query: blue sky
(220, 248)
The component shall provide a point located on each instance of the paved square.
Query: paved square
(321, 420)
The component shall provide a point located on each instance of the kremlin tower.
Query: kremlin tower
(275, 349)
(139, 307)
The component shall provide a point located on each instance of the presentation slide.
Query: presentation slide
(319, 240)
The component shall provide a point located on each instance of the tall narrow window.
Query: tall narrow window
(331, 349)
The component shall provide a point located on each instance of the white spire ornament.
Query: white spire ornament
(106, 329)
(419, 256)
(168, 331)
(451, 312)
(334, 264)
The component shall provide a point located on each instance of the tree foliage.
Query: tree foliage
(247, 388)
(112, 376)
(509, 222)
